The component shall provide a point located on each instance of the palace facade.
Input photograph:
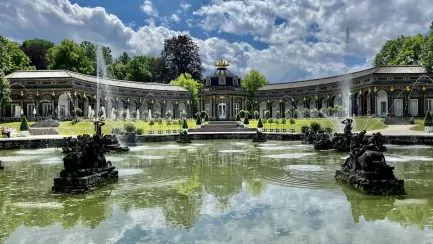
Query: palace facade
(45, 93)
(382, 91)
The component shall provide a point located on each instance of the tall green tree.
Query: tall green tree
(410, 52)
(180, 55)
(140, 69)
(89, 49)
(389, 51)
(5, 90)
(427, 53)
(12, 58)
(188, 82)
(36, 50)
(253, 80)
(69, 55)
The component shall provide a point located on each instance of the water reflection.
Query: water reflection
(222, 192)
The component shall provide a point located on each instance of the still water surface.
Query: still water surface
(224, 191)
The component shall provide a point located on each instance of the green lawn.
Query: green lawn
(419, 124)
(14, 125)
(86, 127)
(362, 123)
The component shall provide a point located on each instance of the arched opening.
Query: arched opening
(63, 109)
(382, 103)
(222, 110)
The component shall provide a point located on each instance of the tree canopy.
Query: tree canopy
(407, 50)
(69, 55)
(188, 82)
(180, 55)
(5, 90)
(253, 80)
(12, 58)
(36, 50)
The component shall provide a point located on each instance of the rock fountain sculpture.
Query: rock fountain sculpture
(109, 142)
(85, 166)
(366, 169)
(341, 141)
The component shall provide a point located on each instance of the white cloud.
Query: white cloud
(147, 8)
(175, 18)
(185, 6)
(286, 56)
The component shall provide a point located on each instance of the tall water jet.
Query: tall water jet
(101, 73)
(346, 85)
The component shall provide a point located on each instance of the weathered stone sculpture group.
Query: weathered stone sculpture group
(85, 165)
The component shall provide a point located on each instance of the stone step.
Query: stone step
(221, 129)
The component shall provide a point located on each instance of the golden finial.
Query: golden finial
(222, 63)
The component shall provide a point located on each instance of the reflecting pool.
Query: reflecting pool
(224, 191)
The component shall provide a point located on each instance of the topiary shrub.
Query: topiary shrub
(206, 118)
(130, 128)
(292, 121)
(242, 114)
(185, 124)
(140, 131)
(246, 121)
(24, 124)
(428, 120)
(238, 117)
(151, 122)
(315, 126)
(305, 128)
(203, 114)
(260, 124)
(328, 130)
(116, 131)
(198, 121)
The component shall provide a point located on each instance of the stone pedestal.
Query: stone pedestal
(371, 183)
(260, 137)
(83, 180)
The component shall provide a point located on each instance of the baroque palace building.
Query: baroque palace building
(44, 93)
(382, 91)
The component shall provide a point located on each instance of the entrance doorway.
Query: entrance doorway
(398, 107)
(222, 113)
(413, 107)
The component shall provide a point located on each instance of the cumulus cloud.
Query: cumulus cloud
(147, 8)
(302, 39)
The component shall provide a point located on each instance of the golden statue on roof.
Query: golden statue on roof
(222, 63)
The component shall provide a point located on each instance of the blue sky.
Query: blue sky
(285, 40)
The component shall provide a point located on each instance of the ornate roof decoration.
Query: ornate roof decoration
(222, 63)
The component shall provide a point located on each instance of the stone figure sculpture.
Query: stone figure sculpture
(85, 165)
(366, 168)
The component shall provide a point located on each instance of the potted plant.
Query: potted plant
(260, 126)
(206, 119)
(242, 114)
(428, 122)
(24, 127)
(238, 119)
(246, 122)
(198, 121)
(292, 122)
(184, 126)
(283, 122)
(160, 126)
